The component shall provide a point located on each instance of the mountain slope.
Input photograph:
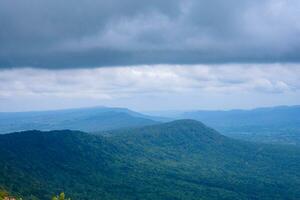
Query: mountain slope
(84, 119)
(45, 163)
(178, 160)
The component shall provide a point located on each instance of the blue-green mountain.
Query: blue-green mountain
(183, 160)
(83, 119)
(271, 125)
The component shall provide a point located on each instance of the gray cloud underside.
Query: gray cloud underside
(92, 33)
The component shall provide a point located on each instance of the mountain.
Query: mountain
(271, 125)
(41, 164)
(83, 119)
(177, 160)
(287, 138)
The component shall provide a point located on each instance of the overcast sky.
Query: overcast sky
(149, 55)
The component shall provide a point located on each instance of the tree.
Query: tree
(61, 196)
(3, 194)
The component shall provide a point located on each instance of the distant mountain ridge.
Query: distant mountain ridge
(183, 160)
(277, 125)
(271, 125)
(83, 119)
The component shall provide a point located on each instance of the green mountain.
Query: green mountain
(83, 119)
(178, 160)
(270, 125)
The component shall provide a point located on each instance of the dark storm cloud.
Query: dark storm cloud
(91, 33)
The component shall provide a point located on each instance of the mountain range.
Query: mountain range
(84, 119)
(183, 159)
(278, 125)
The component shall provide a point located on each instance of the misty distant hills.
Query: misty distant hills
(272, 125)
(183, 160)
(277, 125)
(83, 119)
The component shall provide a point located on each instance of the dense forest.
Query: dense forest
(183, 159)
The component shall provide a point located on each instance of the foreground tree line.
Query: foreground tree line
(61, 196)
(4, 195)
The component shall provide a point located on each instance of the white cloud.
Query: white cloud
(117, 82)
(157, 87)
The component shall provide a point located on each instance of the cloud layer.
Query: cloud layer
(91, 33)
(137, 85)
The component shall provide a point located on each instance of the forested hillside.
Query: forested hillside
(178, 160)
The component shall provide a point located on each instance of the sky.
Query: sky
(149, 55)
